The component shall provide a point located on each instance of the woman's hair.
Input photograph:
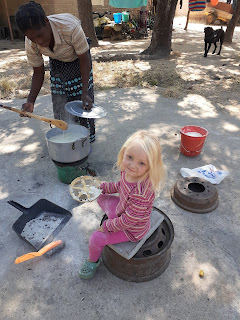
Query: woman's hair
(30, 16)
(151, 145)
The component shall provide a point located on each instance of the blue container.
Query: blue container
(117, 17)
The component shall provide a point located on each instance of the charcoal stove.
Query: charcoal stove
(67, 172)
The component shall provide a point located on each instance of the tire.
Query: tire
(211, 18)
(149, 262)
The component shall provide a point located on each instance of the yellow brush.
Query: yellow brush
(31, 255)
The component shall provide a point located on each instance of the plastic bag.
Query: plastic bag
(208, 172)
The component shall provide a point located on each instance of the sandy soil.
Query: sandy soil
(186, 71)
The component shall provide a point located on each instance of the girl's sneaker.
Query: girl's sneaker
(89, 269)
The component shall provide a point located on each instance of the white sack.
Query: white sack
(208, 172)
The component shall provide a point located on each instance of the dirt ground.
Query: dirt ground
(208, 92)
(186, 71)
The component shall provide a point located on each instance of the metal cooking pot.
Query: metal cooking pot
(67, 146)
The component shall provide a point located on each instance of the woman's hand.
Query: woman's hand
(100, 229)
(87, 102)
(37, 81)
(85, 69)
(28, 106)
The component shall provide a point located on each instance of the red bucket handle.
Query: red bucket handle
(190, 151)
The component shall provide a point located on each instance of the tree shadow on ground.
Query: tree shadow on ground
(206, 241)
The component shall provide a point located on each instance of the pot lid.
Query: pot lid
(76, 109)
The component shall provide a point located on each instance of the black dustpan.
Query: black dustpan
(39, 224)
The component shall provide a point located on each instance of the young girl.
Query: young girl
(142, 175)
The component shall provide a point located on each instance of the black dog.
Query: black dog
(213, 36)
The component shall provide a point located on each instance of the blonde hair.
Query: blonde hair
(151, 146)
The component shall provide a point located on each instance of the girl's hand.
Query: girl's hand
(100, 229)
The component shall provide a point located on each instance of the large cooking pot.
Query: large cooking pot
(67, 146)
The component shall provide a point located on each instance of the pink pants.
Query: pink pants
(98, 239)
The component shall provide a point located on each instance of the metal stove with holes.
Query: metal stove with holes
(195, 194)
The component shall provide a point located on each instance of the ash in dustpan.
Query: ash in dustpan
(39, 229)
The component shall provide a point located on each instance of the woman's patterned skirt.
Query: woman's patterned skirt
(66, 86)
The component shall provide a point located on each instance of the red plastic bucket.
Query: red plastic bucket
(192, 140)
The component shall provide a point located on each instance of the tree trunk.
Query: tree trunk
(232, 23)
(161, 41)
(86, 17)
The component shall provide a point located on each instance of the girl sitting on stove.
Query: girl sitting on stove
(142, 176)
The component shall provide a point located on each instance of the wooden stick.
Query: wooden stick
(58, 123)
(187, 20)
(9, 23)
